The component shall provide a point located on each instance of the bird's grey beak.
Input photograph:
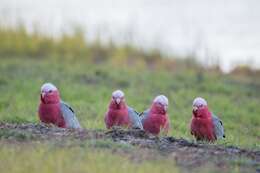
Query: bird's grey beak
(118, 100)
(165, 107)
(195, 108)
(43, 94)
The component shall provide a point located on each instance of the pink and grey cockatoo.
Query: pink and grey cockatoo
(119, 114)
(204, 124)
(53, 110)
(155, 120)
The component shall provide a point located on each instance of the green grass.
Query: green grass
(88, 87)
(44, 158)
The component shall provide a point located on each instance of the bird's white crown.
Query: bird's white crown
(161, 99)
(118, 94)
(199, 101)
(48, 87)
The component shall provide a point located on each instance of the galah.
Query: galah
(119, 114)
(204, 124)
(155, 119)
(52, 110)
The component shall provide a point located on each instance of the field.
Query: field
(87, 85)
(88, 88)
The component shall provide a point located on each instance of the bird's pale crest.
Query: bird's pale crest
(199, 101)
(161, 99)
(48, 87)
(118, 94)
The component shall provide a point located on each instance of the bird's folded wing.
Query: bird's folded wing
(69, 116)
(134, 118)
(144, 115)
(218, 127)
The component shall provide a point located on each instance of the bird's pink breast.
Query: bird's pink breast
(51, 113)
(117, 117)
(155, 123)
(202, 128)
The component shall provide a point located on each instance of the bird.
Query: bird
(155, 120)
(205, 126)
(52, 110)
(120, 114)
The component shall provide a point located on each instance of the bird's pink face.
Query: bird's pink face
(118, 99)
(50, 95)
(118, 102)
(196, 108)
(201, 112)
(160, 105)
(200, 108)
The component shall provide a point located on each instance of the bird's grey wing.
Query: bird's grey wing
(218, 127)
(69, 116)
(134, 118)
(144, 115)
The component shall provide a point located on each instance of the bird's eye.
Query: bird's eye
(50, 91)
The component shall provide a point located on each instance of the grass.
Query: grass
(44, 158)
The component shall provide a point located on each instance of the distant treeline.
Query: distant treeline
(18, 42)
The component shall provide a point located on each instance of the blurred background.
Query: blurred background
(224, 33)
